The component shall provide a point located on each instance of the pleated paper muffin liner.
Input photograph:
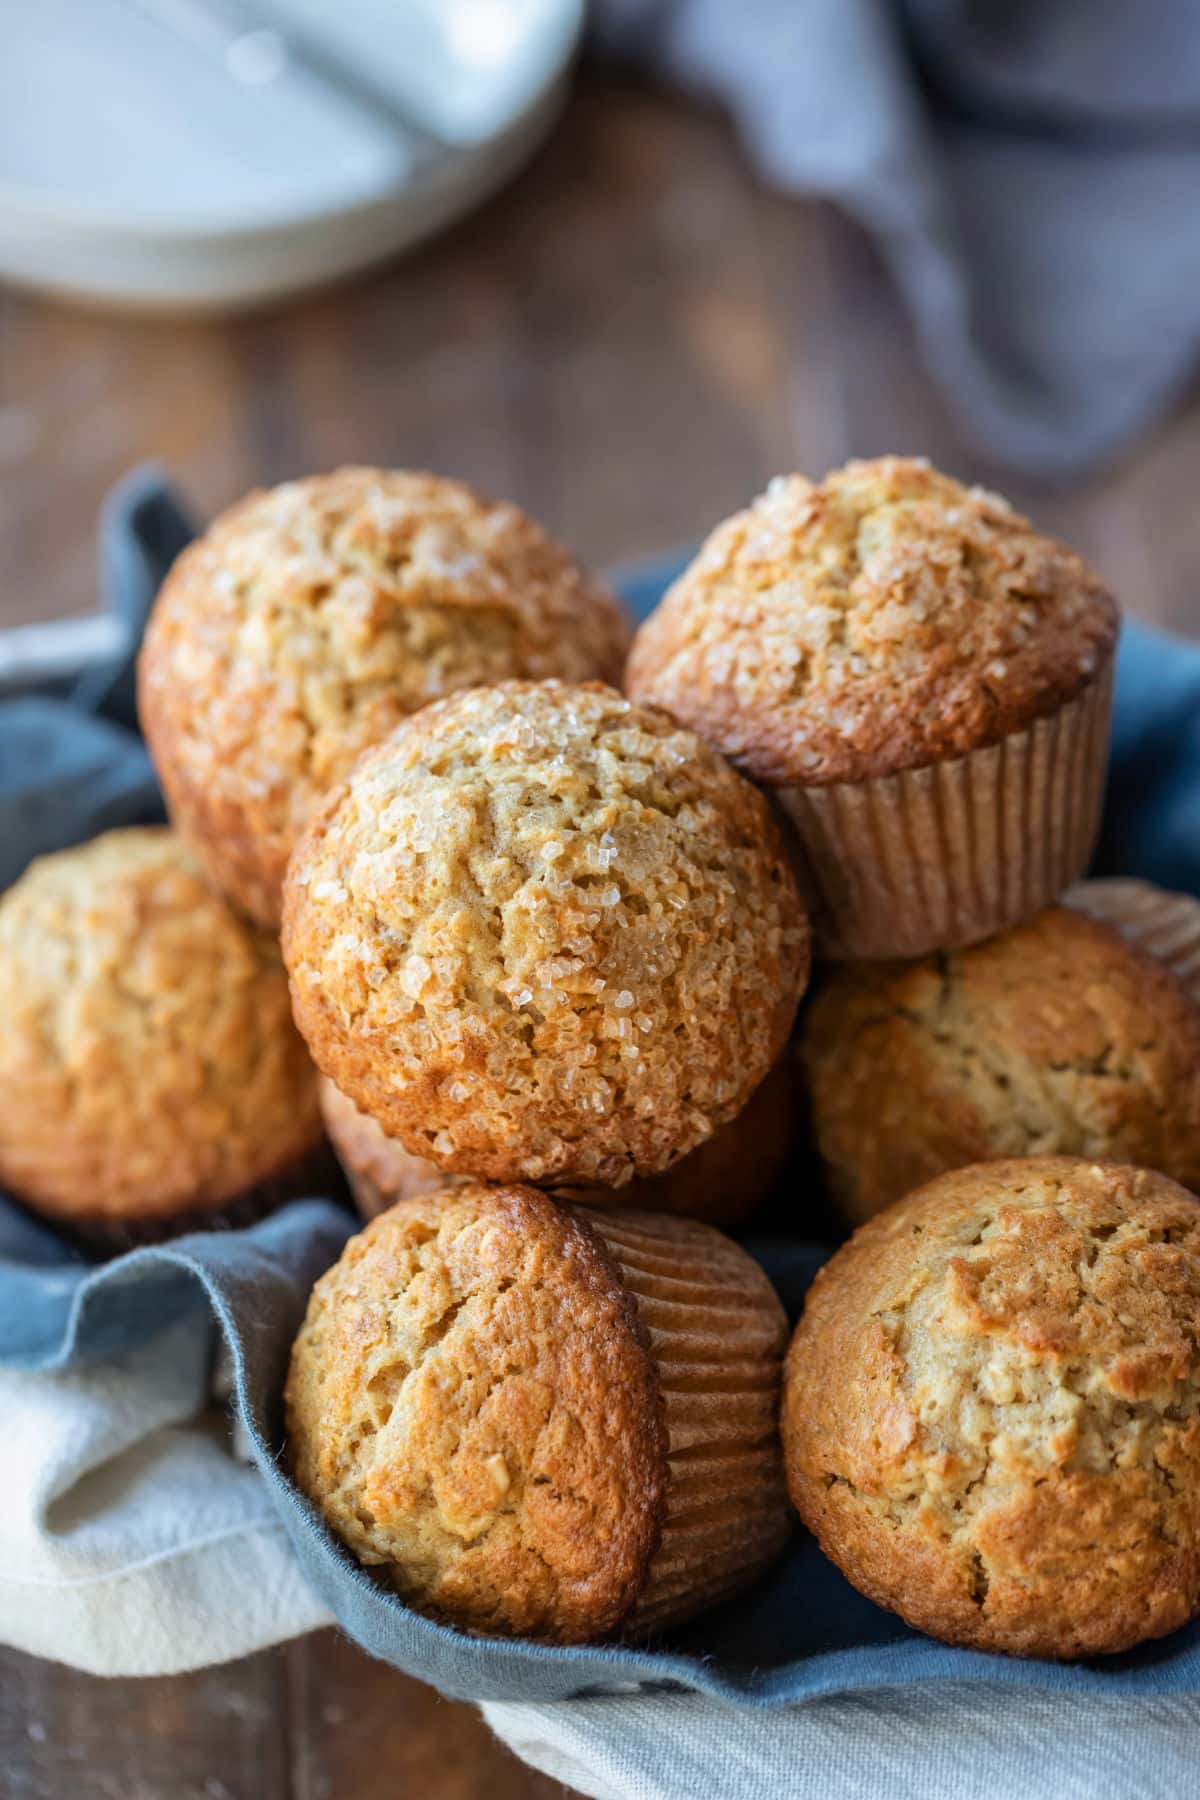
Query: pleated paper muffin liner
(1165, 926)
(944, 856)
(716, 1333)
(369, 1199)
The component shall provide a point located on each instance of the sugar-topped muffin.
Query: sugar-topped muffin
(543, 1421)
(311, 618)
(150, 1071)
(1062, 1036)
(881, 619)
(991, 1411)
(721, 1183)
(859, 644)
(544, 934)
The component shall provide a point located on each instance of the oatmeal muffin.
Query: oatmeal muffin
(545, 935)
(1062, 1037)
(921, 677)
(150, 1071)
(721, 1183)
(310, 619)
(543, 1421)
(991, 1412)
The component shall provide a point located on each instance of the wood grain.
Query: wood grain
(314, 1720)
(369, 1734)
(221, 1734)
(629, 342)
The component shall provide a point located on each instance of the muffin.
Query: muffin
(379, 1171)
(722, 1182)
(991, 1414)
(545, 935)
(543, 1421)
(151, 1074)
(310, 619)
(923, 681)
(1062, 1037)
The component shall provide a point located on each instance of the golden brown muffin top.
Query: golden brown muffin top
(721, 1183)
(471, 1406)
(881, 619)
(1057, 1038)
(992, 1407)
(545, 934)
(311, 618)
(148, 1060)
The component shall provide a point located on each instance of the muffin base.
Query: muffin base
(716, 1333)
(101, 1237)
(943, 856)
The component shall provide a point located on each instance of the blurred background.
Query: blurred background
(619, 263)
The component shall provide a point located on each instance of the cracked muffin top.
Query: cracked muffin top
(471, 1406)
(879, 620)
(148, 1061)
(992, 1407)
(1060, 1037)
(546, 935)
(311, 618)
(540, 1420)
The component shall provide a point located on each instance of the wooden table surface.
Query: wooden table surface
(628, 342)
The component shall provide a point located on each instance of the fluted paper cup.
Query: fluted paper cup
(1165, 926)
(716, 1333)
(944, 856)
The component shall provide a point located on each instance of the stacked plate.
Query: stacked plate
(207, 154)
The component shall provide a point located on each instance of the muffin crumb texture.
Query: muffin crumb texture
(882, 619)
(546, 935)
(1058, 1038)
(472, 1409)
(992, 1407)
(310, 618)
(148, 1060)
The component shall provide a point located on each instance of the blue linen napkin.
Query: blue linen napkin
(71, 763)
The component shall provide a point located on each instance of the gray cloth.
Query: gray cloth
(1028, 167)
(72, 763)
(959, 1743)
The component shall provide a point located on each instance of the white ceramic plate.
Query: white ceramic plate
(202, 154)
